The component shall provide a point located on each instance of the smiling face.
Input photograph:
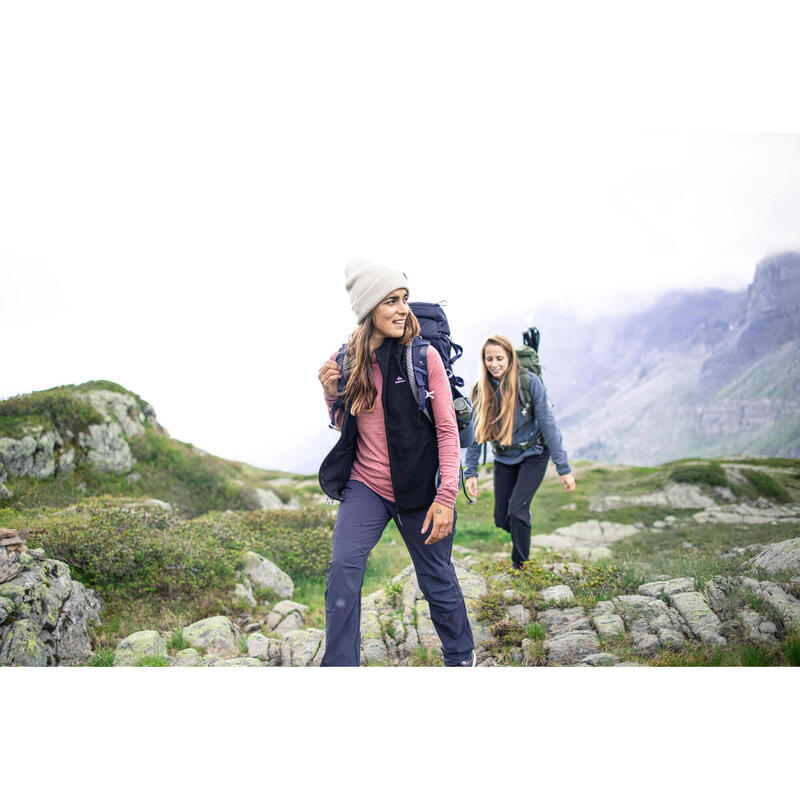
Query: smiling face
(496, 360)
(390, 315)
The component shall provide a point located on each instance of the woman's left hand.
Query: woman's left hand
(442, 519)
(568, 482)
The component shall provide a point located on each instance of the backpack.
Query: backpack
(435, 331)
(528, 357)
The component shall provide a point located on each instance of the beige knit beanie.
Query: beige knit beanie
(367, 284)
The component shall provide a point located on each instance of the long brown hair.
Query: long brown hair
(493, 423)
(359, 391)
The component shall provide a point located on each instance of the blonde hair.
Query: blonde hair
(496, 423)
(359, 391)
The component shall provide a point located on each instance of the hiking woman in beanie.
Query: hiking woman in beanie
(523, 441)
(384, 466)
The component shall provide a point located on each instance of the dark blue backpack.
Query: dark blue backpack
(435, 330)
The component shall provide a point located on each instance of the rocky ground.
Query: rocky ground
(661, 573)
(45, 618)
(396, 627)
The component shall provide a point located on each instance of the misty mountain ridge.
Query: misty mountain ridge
(702, 373)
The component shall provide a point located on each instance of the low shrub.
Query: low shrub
(767, 486)
(708, 473)
(298, 541)
(507, 633)
(134, 551)
(137, 550)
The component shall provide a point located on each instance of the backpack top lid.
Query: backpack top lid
(431, 318)
(434, 328)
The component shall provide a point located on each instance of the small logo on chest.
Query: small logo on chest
(399, 379)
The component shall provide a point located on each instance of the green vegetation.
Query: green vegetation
(133, 550)
(774, 463)
(422, 657)
(154, 569)
(664, 553)
(791, 649)
(129, 551)
(736, 654)
(108, 386)
(393, 590)
(708, 473)
(590, 583)
(182, 476)
(57, 408)
(535, 630)
(176, 640)
(104, 657)
(153, 661)
(767, 486)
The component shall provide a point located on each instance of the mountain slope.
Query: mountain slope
(700, 373)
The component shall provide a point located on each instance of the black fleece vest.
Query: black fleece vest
(413, 450)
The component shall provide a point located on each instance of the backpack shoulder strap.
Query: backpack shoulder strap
(417, 368)
(341, 360)
(525, 389)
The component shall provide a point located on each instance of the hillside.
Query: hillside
(120, 545)
(98, 438)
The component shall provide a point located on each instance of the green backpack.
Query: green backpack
(528, 357)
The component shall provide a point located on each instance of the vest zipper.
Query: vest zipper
(384, 373)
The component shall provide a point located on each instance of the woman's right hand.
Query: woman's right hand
(472, 486)
(329, 377)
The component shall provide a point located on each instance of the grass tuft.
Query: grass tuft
(104, 657)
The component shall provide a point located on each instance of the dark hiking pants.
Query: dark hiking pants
(514, 488)
(362, 517)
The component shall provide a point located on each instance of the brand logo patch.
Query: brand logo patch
(429, 395)
(399, 379)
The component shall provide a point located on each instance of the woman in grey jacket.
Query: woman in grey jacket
(523, 441)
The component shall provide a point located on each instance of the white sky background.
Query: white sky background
(182, 184)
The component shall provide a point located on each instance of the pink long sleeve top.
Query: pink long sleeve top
(371, 465)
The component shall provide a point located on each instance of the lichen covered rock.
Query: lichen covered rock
(261, 572)
(45, 616)
(138, 646)
(217, 635)
(302, 648)
(779, 557)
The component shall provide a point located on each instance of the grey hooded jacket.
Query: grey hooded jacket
(527, 426)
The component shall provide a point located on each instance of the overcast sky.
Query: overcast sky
(182, 184)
